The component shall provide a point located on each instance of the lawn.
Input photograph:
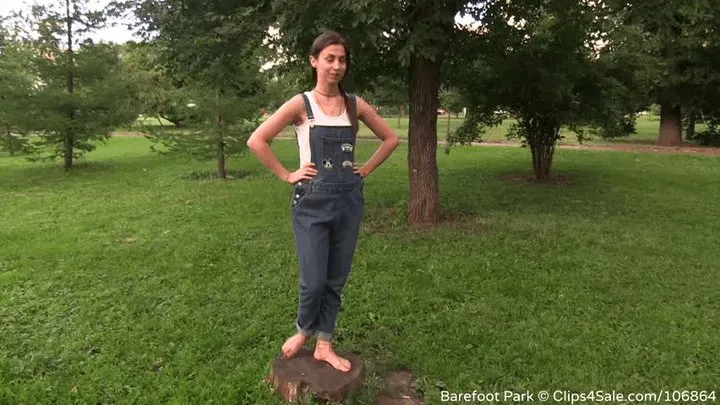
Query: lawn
(134, 280)
(647, 131)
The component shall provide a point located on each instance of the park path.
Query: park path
(617, 147)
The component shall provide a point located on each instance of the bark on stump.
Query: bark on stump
(296, 378)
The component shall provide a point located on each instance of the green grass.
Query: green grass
(647, 131)
(124, 281)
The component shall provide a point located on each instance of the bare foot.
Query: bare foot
(293, 344)
(324, 352)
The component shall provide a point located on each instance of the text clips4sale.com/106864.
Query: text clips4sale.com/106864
(571, 397)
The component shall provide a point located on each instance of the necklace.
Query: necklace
(325, 110)
(326, 95)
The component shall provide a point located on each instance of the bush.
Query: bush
(711, 136)
(654, 110)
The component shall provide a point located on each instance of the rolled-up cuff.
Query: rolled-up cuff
(325, 336)
(303, 331)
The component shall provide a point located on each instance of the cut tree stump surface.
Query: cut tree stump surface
(294, 378)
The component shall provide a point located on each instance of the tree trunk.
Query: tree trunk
(670, 123)
(10, 140)
(448, 125)
(423, 205)
(69, 136)
(68, 154)
(690, 134)
(222, 173)
(401, 113)
(542, 156)
(219, 121)
(542, 138)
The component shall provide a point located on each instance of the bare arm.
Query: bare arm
(290, 112)
(368, 115)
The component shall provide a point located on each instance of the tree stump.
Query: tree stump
(295, 378)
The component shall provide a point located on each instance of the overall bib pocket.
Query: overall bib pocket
(338, 157)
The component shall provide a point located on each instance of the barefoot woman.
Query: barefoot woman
(327, 203)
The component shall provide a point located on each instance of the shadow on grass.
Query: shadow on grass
(584, 187)
(393, 219)
(469, 190)
(43, 174)
(207, 175)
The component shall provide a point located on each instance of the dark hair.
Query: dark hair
(323, 41)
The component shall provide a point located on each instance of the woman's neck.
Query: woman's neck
(327, 90)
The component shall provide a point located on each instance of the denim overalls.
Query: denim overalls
(326, 214)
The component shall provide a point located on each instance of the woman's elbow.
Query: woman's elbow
(253, 142)
(394, 141)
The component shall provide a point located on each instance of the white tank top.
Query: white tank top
(303, 131)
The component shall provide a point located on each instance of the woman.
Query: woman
(327, 203)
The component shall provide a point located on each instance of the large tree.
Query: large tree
(675, 34)
(81, 93)
(540, 63)
(16, 86)
(214, 50)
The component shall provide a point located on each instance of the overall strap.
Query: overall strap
(308, 107)
(352, 112)
(353, 106)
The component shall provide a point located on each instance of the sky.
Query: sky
(117, 34)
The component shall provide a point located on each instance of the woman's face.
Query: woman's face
(330, 64)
